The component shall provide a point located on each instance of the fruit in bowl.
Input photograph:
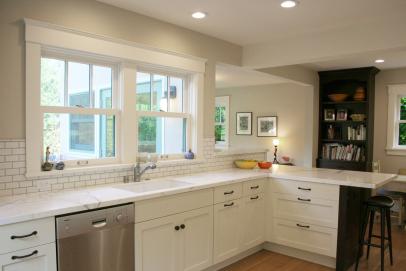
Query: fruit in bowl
(264, 164)
(246, 164)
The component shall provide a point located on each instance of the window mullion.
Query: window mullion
(91, 94)
(65, 93)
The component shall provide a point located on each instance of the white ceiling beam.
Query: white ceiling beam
(337, 43)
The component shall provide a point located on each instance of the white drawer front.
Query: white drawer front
(316, 239)
(253, 187)
(309, 189)
(40, 258)
(160, 207)
(26, 234)
(227, 192)
(311, 210)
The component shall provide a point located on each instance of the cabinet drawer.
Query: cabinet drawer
(311, 210)
(314, 190)
(26, 234)
(316, 239)
(253, 187)
(160, 207)
(38, 258)
(227, 192)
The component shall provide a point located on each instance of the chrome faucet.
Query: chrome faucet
(138, 172)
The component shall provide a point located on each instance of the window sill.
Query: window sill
(396, 151)
(229, 152)
(178, 162)
(78, 170)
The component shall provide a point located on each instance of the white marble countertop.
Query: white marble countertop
(28, 207)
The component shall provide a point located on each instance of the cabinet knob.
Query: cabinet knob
(182, 226)
(177, 228)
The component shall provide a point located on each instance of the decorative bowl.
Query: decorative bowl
(358, 117)
(246, 164)
(338, 97)
(264, 164)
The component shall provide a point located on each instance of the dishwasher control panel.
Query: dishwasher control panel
(93, 220)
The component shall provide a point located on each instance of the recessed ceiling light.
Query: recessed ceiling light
(379, 61)
(199, 15)
(289, 4)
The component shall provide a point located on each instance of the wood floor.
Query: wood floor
(270, 261)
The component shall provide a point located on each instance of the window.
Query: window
(77, 106)
(396, 139)
(162, 118)
(221, 121)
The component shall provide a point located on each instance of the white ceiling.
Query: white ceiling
(228, 76)
(327, 33)
(255, 21)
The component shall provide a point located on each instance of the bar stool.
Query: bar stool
(374, 204)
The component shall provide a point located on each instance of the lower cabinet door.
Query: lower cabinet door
(227, 230)
(313, 238)
(253, 224)
(157, 244)
(197, 239)
(40, 258)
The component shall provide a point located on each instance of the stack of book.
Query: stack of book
(357, 133)
(335, 151)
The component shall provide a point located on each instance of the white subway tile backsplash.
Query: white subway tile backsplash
(14, 182)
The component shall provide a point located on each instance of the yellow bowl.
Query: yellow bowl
(246, 164)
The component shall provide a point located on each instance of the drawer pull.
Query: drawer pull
(308, 200)
(229, 205)
(304, 189)
(254, 187)
(229, 192)
(35, 252)
(177, 228)
(23, 236)
(256, 197)
(303, 226)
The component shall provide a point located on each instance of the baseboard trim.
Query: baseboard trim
(236, 258)
(300, 254)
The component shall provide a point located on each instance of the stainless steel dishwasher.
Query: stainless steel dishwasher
(100, 240)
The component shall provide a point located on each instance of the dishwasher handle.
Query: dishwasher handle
(100, 223)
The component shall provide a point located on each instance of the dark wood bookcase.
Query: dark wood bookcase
(347, 81)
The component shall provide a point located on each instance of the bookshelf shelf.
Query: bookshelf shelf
(355, 154)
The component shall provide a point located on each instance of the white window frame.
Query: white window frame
(224, 101)
(184, 115)
(65, 109)
(41, 37)
(395, 93)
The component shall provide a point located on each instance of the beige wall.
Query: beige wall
(290, 102)
(307, 76)
(389, 163)
(98, 18)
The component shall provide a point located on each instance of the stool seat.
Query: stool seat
(381, 201)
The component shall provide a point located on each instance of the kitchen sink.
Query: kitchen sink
(152, 186)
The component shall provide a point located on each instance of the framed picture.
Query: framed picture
(244, 123)
(329, 114)
(267, 126)
(342, 114)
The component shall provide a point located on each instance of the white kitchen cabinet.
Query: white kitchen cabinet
(157, 245)
(227, 230)
(177, 242)
(39, 258)
(253, 224)
(197, 239)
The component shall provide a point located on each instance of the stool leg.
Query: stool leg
(389, 222)
(382, 238)
(371, 226)
(361, 237)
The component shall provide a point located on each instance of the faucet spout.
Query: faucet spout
(138, 172)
